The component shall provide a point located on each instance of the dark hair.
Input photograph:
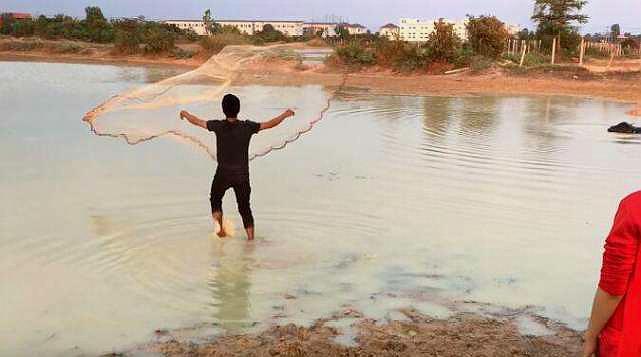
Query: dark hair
(231, 105)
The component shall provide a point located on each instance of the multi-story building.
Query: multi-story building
(354, 29)
(325, 29)
(250, 27)
(390, 31)
(414, 30)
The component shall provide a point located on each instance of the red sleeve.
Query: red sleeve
(620, 253)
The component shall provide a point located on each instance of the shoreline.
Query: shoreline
(134, 61)
(351, 334)
(385, 82)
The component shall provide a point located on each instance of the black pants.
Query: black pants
(240, 183)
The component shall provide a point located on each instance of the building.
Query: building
(250, 27)
(354, 29)
(325, 29)
(513, 30)
(414, 30)
(390, 31)
(198, 26)
(17, 16)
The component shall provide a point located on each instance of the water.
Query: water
(390, 202)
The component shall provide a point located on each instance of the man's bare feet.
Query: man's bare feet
(220, 230)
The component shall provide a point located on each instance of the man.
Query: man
(232, 149)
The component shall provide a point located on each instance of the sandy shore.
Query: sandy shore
(622, 84)
(464, 334)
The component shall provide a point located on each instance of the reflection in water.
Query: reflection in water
(229, 283)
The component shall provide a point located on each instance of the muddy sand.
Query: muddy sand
(464, 334)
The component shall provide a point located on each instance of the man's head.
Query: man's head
(231, 106)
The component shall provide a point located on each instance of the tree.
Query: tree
(270, 34)
(98, 28)
(158, 38)
(128, 36)
(487, 35)
(557, 16)
(7, 21)
(616, 31)
(23, 28)
(342, 32)
(443, 42)
(211, 27)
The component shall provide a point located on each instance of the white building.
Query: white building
(513, 30)
(355, 29)
(415, 30)
(197, 26)
(250, 27)
(390, 31)
(326, 29)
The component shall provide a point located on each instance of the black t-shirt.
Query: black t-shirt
(232, 144)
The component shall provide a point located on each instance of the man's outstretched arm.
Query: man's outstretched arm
(276, 121)
(193, 119)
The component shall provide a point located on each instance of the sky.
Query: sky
(371, 13)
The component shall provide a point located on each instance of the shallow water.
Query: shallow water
(390, 202)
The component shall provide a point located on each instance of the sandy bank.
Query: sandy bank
(618, 86)
(464, 334)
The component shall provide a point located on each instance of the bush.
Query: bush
(355, 53)
(23, 28)
(128, 36)
(270, 34)
(463, 57)
(19, 45)
(7, 21)
(158, 38)
(481, 64)
(412, 58)
(68, 47)
(443, 42)
(214, 44)
(531, 59)
(487, 36)
(180, 53)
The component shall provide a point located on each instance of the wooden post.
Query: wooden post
(581, 52)
(522, 54)
(553, 50)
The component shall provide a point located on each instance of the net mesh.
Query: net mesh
(152, 111)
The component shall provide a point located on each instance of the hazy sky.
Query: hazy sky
(372, 13)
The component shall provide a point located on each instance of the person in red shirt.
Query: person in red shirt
(615, 324)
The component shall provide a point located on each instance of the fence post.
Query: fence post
(522, 54)
(553, 50)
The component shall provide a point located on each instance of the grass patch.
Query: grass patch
(22, 46)
(216, 43)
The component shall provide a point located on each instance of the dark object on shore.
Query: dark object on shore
(625, 128)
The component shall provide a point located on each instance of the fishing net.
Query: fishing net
(152, 111)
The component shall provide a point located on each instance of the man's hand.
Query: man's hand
(288, 113)
(183, 114)
(590, 345)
